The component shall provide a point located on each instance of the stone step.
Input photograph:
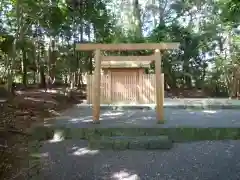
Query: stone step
(178, 134)
(126, 142)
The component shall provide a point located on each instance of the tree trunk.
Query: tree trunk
(24, 68)
(9, 77)
(137, 19)
(34, 77)
(51, 62)
(80, 81)
(42, 77)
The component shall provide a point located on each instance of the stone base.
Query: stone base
(178, 134)
(125, 142)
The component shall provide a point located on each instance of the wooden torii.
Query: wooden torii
(128, 47)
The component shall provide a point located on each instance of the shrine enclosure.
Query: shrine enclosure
(122, 79)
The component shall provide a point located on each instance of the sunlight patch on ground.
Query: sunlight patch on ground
(84, 119)
(52, 91)
(203, 111)
(39, 100)
(84, 151)
(210, 111)
(57, 137)
(90, 118)
(39, 155)
(124, 175)
(49, 91)
(52, 111)
(19, 92)
(112, 114)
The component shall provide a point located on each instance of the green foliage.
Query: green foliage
(199, 26)
(231, 11)
(6, 43)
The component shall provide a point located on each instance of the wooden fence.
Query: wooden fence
(127, 89)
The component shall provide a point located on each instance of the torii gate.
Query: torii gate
(129, 47)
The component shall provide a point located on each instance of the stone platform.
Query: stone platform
(197, 103)
(80, 117)
(200, 119)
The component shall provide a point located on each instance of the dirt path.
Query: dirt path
(18, 115)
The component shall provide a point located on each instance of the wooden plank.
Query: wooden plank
(122, 47)
(109, 87)
(124, 64)
(97, 89)
(128, 58)
(159, 87)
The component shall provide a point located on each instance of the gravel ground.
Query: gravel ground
(82, 118)
(207, 160)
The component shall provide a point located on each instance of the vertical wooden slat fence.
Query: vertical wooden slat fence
(127, 89)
